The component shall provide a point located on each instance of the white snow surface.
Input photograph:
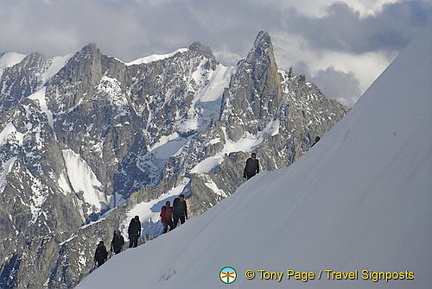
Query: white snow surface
(205, 105)
(247, 143)
(58, 62)
(149, 212)
(206, 102)
(155, 57)
(218, 81)
(82, 179)
(358, 200)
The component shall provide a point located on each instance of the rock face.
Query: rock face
(255, 93)
(87, 137)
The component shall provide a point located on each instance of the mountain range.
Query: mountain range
(87, 141)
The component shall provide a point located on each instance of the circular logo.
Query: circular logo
(228, 275)
(250, 274)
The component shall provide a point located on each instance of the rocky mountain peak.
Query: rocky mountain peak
(22, 79)
(262, 48)
(83, 72)
(263, 40)
(201, 48)
(32, 57)
(90, 48)
(255, 92)
(89, 53)
(291, 73)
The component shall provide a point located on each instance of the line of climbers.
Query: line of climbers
(101, 254)
(170, 217)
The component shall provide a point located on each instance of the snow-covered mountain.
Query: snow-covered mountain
(86, 141)
(359, 201)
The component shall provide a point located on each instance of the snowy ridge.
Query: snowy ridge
(219, 80)
(358, 200)
(155, 57)
(205, 105)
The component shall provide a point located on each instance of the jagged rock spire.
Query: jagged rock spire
(257, 92)
(262, 47)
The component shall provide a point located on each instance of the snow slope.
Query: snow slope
(359, 200)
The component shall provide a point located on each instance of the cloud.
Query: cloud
(135, 27)
(344, 29)
(338, 85)
(327, 36)
(366, 67)
(357, 45)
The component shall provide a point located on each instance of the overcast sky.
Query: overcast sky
(342, 46)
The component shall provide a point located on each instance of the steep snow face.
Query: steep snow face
(205, 105)
(57, 63)
(359, 200)
(209, 86)
(83, 180)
